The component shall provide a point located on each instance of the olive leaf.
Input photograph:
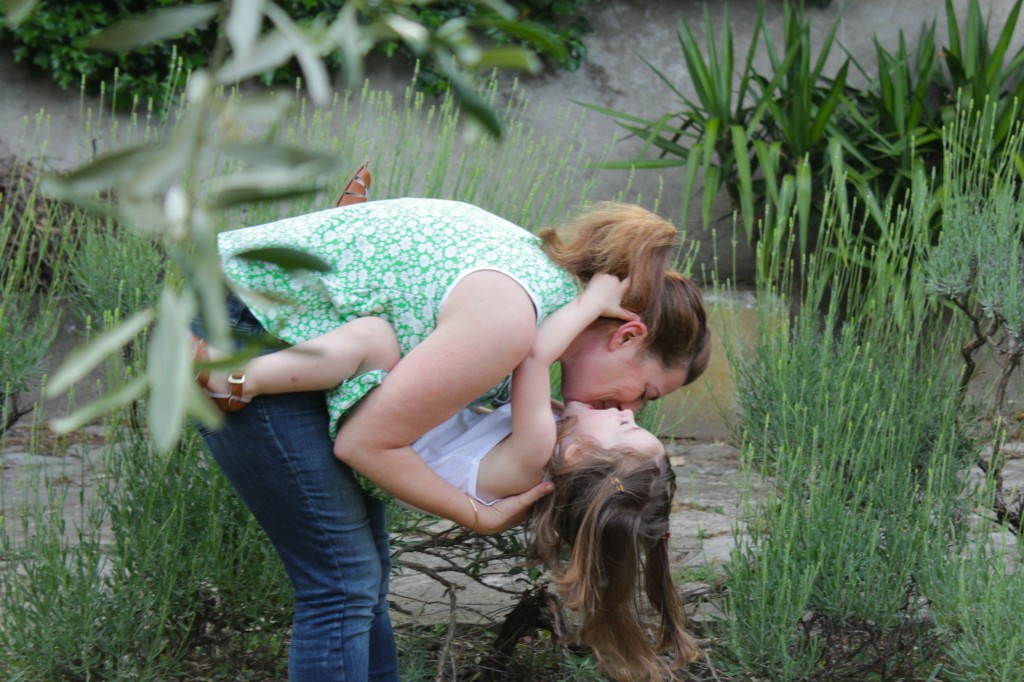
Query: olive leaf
(107, 403)
(83, 359)
(288, 259)
(307, 53)
(271, 51)
(169, 369)
(16, 11)
(242, 27)
(153, 27)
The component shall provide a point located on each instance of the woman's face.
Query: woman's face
(611, 428)
(620, 376)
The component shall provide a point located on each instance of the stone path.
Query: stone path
(38, 468)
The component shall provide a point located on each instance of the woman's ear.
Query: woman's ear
(631, 332)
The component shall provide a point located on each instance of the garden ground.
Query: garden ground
(709, 501)
(705, 509)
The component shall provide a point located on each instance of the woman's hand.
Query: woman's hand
(510, 511)
(604, 293)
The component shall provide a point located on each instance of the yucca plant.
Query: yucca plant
(709, 132)
(898, 122)
(773, 139)
(985, 73)
(762, 137)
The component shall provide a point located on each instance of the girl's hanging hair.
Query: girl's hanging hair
(604, 533)
(628, 240)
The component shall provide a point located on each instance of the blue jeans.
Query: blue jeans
(331, 536)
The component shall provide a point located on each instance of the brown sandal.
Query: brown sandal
(227, 402)
(357, 188)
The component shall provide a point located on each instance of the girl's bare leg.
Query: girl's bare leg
(357, 347)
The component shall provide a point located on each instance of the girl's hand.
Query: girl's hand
(605, 293)
(509, 511)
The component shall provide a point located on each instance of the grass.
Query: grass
(35, 248)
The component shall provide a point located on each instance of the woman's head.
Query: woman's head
(678, 334)
(604, 533)
(627, 363)
(624, 240)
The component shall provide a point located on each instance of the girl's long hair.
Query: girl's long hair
(629, 241)
(604, 534)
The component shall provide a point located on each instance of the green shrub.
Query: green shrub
(859, 435)
(51, 40)
(184, 567)
(114, 273)
(182, 536)
(869, 561)
(38, 238)
(975, 600)
(977, 264)
(52, 611)
(562, 18)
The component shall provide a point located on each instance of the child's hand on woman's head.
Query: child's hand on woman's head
(509, 511)
(605, 293)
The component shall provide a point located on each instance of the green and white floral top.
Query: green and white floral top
(397, 260)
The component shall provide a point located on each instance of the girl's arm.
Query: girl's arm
(354, 348)
(602, 297)
(519, 461)
(485, 329)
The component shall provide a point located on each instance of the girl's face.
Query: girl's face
(612, 428)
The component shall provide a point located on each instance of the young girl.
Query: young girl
(613, 483)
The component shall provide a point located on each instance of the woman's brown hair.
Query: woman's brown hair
(604, 533)
(629, 241)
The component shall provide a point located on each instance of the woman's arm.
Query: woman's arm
(485, 329)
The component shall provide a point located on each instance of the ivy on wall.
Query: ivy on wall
(52, 36)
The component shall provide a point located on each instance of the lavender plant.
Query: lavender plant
(850, 408)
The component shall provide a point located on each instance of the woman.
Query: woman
(464, 291)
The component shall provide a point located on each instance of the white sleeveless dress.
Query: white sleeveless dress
(455, 448)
